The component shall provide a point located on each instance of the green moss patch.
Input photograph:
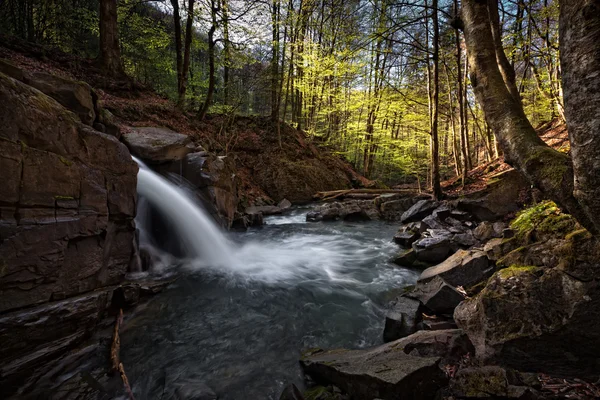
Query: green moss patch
(515, 270)
(545, 218)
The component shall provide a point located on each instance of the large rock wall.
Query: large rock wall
(67, 235)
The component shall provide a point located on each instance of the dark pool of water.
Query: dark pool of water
(296, 285)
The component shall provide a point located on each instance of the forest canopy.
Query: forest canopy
(382, 83)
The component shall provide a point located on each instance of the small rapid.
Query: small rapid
(247, 303)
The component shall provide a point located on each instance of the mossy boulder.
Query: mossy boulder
(535, 319)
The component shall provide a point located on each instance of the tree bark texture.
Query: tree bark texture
(580, 61)
(110, 52)
(547, 169)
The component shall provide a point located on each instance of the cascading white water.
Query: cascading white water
(290, 258)
(200, 236)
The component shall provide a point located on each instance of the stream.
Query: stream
(240, 327)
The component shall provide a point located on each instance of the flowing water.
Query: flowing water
(248, 303)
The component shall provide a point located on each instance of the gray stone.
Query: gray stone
(437, 295)
(406, 258)
(402, 318)
(433, 250)
(420, 210)
(489, 382)
(406, 238)
(463, 268)
(450, 344)
(264, 210)
(284, 204)
(384, 372)
(157, 145)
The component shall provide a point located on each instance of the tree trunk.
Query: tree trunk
(214, 9)
(580, 60)
(110, 52)
(189, 31)
(546, 168)
(435, 150)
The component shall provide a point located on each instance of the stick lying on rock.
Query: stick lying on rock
(115, 363)
(334, 194)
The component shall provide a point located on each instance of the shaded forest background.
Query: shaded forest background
(382, 83)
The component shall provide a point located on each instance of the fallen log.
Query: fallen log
(125, 382)
(335, 194)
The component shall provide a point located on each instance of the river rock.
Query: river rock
(433, 249)
(264, 210)
(402, 318)
(156, 145)
(393, 210)
(383, 372)
(463, 268)
(68, 199)
(437, 295)
(490, 382)
(284, 204)
(419, 210)
(537, 320)
(76, 96)
(405, 237)
(405, 258)
(347, 210)
(450, 344)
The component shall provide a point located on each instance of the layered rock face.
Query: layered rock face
(67, 235)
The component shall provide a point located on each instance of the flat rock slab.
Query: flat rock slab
(419, 210)
(158, 145)
(264, 210)
(463, 268)
(385, 372)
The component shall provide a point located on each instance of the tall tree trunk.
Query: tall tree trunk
(274, 59)
(546, 168)
(580, 61)
(189, 32)
(214, 9)
(178, 45)
(435, 146)
(226, 52)
(110, 52)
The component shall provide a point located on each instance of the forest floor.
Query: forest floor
(554, 133)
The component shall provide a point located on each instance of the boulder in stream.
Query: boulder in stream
(385, 372)
(437, 295)
(463, 268)
(402, 318)
(419, 210)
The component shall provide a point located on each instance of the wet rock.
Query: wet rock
(450, 344)
(383, 372)
(406, 258)
(489, 382)
(244, 221)
(433, 249)
(347, 210)
(158, 145)
(464, 240)
(402, 318)
(291, 392)
(463, 268)
(437, 295)
(433, 222)
(50, 330)
(420, 210)
(264, 210)
(535, 319)
(284, 204)
(76, 96)
(406, 237)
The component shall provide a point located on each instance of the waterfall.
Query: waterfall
(200, 236)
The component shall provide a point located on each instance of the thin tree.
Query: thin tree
(110, 52)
